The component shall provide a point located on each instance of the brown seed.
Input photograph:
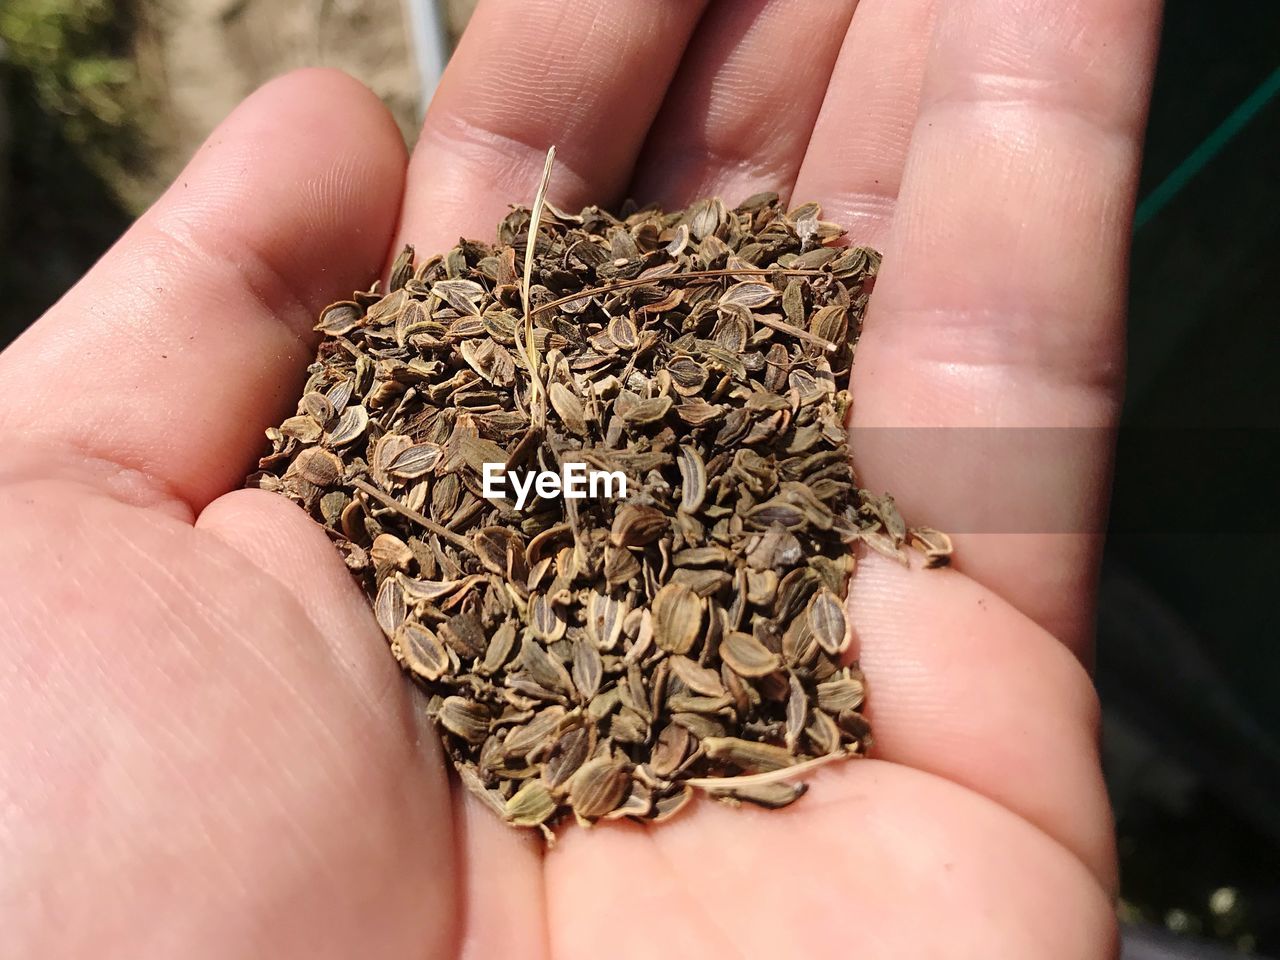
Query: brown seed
(545, 619)
(535, 734)
(462, 295)
(936, 545)
(677, 618)
(840, 695)
(319, 466)
(390, 609)
(566, 755)
(604, 620)
(748, 656)
(622, 331)
(391, 551)
(301, 428)
(664, 808)
(414, 461)
(421, 651)
(698, 679)
(545, 669)
(464, 634)
(797, 712)
(771, 796)
(629, 726)
(498, 650)
(466, 719)
(569, 408)
(747, 754)
(648, 411)
(497, 547)
(827, 622)
(693, 479)
(748, 294)
(671, 749)
(339, 318)
(598, 787)
(588, 668)
(635, 525)
(823, 733)
(351, 425)
(531, 805)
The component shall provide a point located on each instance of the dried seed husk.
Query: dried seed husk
(693, 479)
(598, 787)
(670, 750)
(839, 695)
(635, 525)
(421, 652)
(464, 718)
(390, 608)
(747, 656)
(520, 741)
(935, 545)
(698, 679)
(588, 668)
(531, 805)
(677, 618)
(317, 465)
(566, 755)
(749, 755)
(827, 622)
(772, 796)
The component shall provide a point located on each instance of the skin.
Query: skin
(206, 750)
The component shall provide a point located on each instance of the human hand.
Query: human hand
(207, 750)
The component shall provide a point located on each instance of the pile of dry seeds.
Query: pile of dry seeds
(608, 655)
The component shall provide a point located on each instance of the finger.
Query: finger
(733, 123)
(279, 539)
(586, 77)
(1001, 301)
(193, 332)
(501, 881)
(853, 165)
(968, 689)
(496, 874)
(877, 861)
(188, 768)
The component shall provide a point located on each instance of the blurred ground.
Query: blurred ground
(107, 99)
(213, 53)
(104, 99)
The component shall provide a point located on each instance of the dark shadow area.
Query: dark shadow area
(58, 216)
(1189, 663)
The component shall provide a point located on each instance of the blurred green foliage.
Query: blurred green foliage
(73, 103)
(78, 60)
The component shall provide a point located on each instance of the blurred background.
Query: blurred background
(103, 101)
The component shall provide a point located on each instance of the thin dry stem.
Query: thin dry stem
(796, 332)
(405, 511)
(535, 221)
(763, 779)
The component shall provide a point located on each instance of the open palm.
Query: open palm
(205, 748)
